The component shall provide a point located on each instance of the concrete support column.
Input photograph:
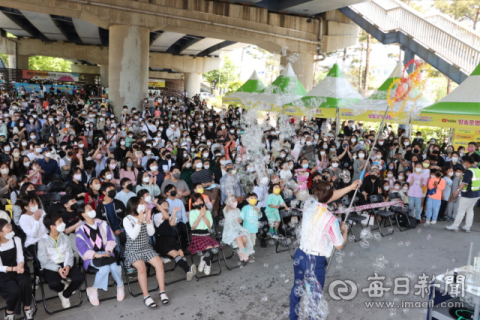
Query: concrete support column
(128, 58)
(302, 64)
(12, 61)
(192, 83)
(104, 75)
(409, 55)
(22, 62)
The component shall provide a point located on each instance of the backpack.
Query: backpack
(406, 221)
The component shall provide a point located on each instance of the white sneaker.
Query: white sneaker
(427, 222)
(467, 230)
(9, 316)
(207, 270)
(434, 222)
(65, 301)
(192, 272)
(201, 265)
(92, 294)
(451, 228)
(120, 293)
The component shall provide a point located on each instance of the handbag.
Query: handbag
(431, 192)
(103, 261)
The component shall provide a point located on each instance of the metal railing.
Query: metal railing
(445, 38)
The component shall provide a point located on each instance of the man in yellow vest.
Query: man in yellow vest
(470, 193)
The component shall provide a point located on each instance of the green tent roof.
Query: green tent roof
(253, 84)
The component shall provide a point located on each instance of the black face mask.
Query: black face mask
(168, 156)
(130, 187)
(32, 193)
(173, 193)
(70, 153)
(198, 206)
(112, 194)
(74, 206)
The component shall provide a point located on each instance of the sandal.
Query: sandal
(163, 297)
(149, 302)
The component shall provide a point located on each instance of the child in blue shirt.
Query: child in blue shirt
(274, 202)
(126, 193)
(249, 216)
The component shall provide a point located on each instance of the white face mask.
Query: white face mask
(199, 165)
(322, 153)
(386, 188)
(361, 155)
(61, 227)
(33, 209)
(141, 208)
(379, 156)
(24, 143)
(400, 178)
(458, 174)
(77, 177)
(154, 168)
(10, 235)
(207, 166)
(389, 175)
(38, 150)
(418, 169)
(108, 177)
(450, 174)
(146, 179)
(48, 155)
(397, 187)
(205, 154)
(91, 214)
(148, 199)
(335, 165)
(454, 159)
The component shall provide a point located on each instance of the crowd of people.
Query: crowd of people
(153, 181)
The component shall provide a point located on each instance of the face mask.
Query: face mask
(325, 147)
(353, 140)
(418, 169)
(38, 150)
(305, 166)
(405, 189)
(188, 165)
(454, 159)
(108, 177)
(96, 187)
(112, 166)
(148, 199)
(389, 175)
(234, 205)
(112, 194)
(276, 191)
(309, 143)
(458, 174)
(10, 235)
(205, 155)
(173, 193)
(401, 178)
(5, 171)
(397, 187)
(141, 208)
(77, 177)
(61, 227)
(154, 168)
(252, 201)
(386, 188)
(199, 165)
(406, 143)
(425, 165)
(335, 165)
(379, 157)
(471, 149)
(146, 179)
(149, 152)
(361, 155)
(322, 153)
(24, 143)
(380, 143)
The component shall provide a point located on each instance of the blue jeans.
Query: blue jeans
(433, 206)
(320, 265)
(417, 203)
(101, 278)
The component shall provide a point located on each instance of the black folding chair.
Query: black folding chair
(57, 186)
(384, 214)
(49, 198)
(399, 210)
(218, 231)
(286, 232)
(38, 274)
(215, 252)
(353, 217)
(93, 271)
(41, 188)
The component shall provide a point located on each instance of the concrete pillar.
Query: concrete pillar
(128, 60)
(104, 75)
(22, 62)
(12, 61)
(302, 64)
(192, 83)
(409, 55)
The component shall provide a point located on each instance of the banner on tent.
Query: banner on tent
(347, 114)
(319, 112)
(231, 100)
(447, 120)
(462, 137)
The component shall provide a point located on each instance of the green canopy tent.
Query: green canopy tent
(251, 86)
(331, 93)
(285, 89)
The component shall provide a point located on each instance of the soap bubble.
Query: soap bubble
(410, 275)
(380, 258)
(301, 257)
(339, 260)
(340, 310)
(351, 238)
(405, 310)
(296, 262)
(242, 287)
(429, 237)
(338, 267)
(400, 243)
(264, 299)
(282, 275)
(214, 250)
(271, 242)
(339, 253)
(207, 254)
(434, 267)
(388, 282)
(377, 236)
(396, 266)
(265, 265)
(419, 230)
(407, 243)
(276, 267)
(221, 223)
(351, 254)
(364, 244)
(392, 313)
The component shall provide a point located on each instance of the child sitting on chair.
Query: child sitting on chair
(233, 233)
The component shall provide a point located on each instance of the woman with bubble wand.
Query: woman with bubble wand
(320, 233)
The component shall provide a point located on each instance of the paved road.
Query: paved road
(261, 290)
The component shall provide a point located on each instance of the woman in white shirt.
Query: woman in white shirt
(138, 251)
(15, 281)
(321, 232)
(31, 222)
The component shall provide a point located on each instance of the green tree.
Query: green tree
(222, 78)
(465, 10)
(272, 62)
(49, 64)
(4, 58)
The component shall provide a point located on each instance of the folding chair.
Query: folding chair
(49, 198)
(353, 217)
(287, 232)
(40, 189)
(57, 186)
(216, 252)
(38, 273)
(399, 210)
(378, 198)
(218, 236)
(93, 271)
